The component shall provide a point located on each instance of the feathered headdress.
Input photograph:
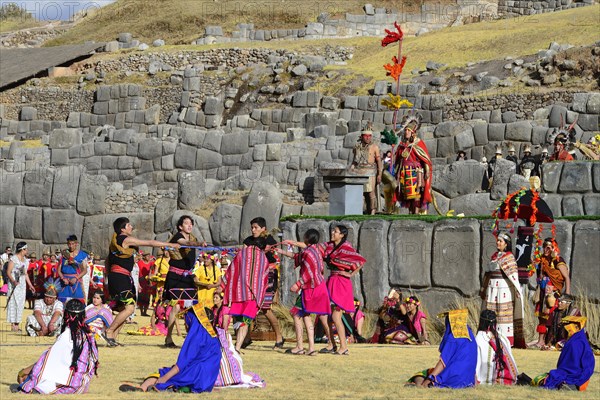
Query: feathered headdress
(52, 287)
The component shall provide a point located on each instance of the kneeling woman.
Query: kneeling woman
(69, 365)
(458, 356)
(314, 298)
(576, 363)
(495, 362)
(207, 359)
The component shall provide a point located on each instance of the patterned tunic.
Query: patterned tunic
(503, 294)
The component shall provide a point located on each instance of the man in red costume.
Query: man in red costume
(560, 149)
(413, 168)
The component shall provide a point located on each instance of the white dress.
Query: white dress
(486, 366)
(16, 303)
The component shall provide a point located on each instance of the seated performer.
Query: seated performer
(98, 316)
(495, 362)
(576, 363)
(556, 336)
(207, 359)
(158, 321)
(47, 312)
(400, 323)
(69, 365)
(458, 356)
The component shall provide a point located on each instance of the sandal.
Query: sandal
(171, 345)
(295, 353)
(535, 346)
(343, 353)
(279, 345)
(127, 387)
(313, 353)
(325, 350)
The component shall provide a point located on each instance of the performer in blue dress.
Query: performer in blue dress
(72, 268)
(576, 363)
(458, 356)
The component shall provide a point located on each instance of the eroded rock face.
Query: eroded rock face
(224, 224)
(264, 200)
(586, 235)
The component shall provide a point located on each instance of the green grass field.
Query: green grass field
(370, 372)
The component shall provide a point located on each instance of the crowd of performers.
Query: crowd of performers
(211, 300)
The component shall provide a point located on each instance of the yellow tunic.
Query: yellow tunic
(207, 275)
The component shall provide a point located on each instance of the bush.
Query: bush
(13, 11)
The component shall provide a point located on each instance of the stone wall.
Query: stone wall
(517, 8)
(439, 261)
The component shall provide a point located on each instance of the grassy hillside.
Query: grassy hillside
(453, 46)
(181, 21)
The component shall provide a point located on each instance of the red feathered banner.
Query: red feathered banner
(392, 37)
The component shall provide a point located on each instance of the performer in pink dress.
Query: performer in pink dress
(313, 298)
(344, 262)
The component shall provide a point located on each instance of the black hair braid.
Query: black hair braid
(488, 323)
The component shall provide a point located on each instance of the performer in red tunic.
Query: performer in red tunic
(413, 168)
(245, 287)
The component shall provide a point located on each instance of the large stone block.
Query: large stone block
(409, 247)
(464, 140)
(7, 224)
(264, 200)
(37, 187)
(149, 149)
(225, 224)
(64, 138)
(596, 176)
(98, 230)
(372, 244)
(207, 159)
(193, 137)
(192, 190)
(517, 182)
(212, 140)
(503, 171)
(473, 204)
(66, 185)
(185, 156)
(554, 202)
(59, 224)
(586, 253)
(576, 177)
(287, 273)
(434, 301)
(459, 178)
(163, 211)
(201, 229)
(28, 223)
(452, 128)
(591, 204)
(456, 252)
(234, 143)
(551, 173)
(11, 187)
(572, 205)
(91, 194)
(519, 131)
(321, 226)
